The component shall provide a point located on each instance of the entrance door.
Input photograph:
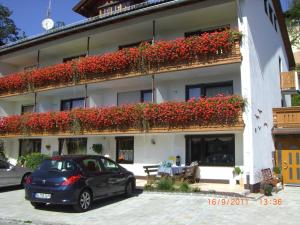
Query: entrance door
(291, 166)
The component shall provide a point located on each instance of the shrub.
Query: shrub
(165, 184)
(32, 160)
(184, 187)
(268, 190)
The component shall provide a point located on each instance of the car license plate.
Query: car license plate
(42, 196)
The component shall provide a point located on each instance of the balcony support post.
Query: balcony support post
(38, 59)
(153, 32)
(153, 89)
(86, 96)
(35, 97)
(88, 46)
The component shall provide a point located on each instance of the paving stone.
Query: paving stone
(156, 208)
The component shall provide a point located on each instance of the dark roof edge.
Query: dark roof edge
(284, 34)
(91, 23)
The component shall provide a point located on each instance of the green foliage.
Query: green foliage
(268, 190)
(296, 100)
(184, 187)
(277, 170)
(165, 184)
(292, 16)
(97, 148)
(8, 30)
(32, 160)
(149, 187)
(237, 171)
(196, 189)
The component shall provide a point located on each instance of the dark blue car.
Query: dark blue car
(77, 181)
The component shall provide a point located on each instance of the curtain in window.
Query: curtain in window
(222, 90)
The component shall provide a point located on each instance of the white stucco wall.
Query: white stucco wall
(262, 47)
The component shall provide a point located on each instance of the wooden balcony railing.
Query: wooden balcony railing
(286, 117)
(204, 115)
(289, 81)
(165, 56)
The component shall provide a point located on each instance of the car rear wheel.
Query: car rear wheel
(84, 201)
(38, 205)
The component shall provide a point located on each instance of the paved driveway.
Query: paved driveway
(162, 209)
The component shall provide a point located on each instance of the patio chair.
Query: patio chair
(151, 172)
(190, 173)
(268, 178)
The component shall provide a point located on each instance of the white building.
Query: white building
(253, 72)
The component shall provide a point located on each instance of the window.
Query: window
(72, 146)
(72, 104)
(207, 30)
(27, 109)
(133, 45)
(125, 149)
(128, 97)
(109, 165)
(271, 13)
(4, 165)
(266, 6)
(28, 146)
(146, 96)
(211, 150)
(57, 165)
(68, 59)
(92, 166)
(209, 90)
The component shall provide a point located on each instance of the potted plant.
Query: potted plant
(236, 173)
(48, 147)
(277, 171)
(97, 148)
(268, 190)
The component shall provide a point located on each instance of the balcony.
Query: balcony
(207, 50)
(286, 117)
(204, 115)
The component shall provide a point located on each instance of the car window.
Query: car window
(109, 165)
(92, 165)
(4, 165)
(57, 165)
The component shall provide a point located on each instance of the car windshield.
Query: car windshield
(57, 165)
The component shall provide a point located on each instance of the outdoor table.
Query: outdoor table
(171, 171)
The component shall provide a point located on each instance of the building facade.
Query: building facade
(166, 54)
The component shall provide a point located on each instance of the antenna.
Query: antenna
(49, 9)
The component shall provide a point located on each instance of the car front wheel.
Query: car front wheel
(84, 201)
(129, 189)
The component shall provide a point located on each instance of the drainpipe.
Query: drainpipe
(85, 86)
(38, 59)
(153, 42)
(35, 97)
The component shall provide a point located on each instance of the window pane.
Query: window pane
(65, 105)
(128, 97)
(92, 166)
(28, 146)
(146, 96)
(27, 108)
(79, 103)
(125, 150)
(212, 150)
(109, 165)
(221, 90)
(194, 92)
(72, 146)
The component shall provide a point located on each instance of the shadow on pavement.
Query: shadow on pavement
(96, 204)
(10, 188)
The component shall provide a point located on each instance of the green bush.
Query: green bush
(237, 171)
(165, 184)
(184, 187)
(268, 190)
(32, 160)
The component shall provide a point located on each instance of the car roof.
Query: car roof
(75, 157)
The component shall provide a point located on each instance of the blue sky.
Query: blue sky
(28, 14)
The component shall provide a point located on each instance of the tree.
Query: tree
(8, 30)
(292, 16)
